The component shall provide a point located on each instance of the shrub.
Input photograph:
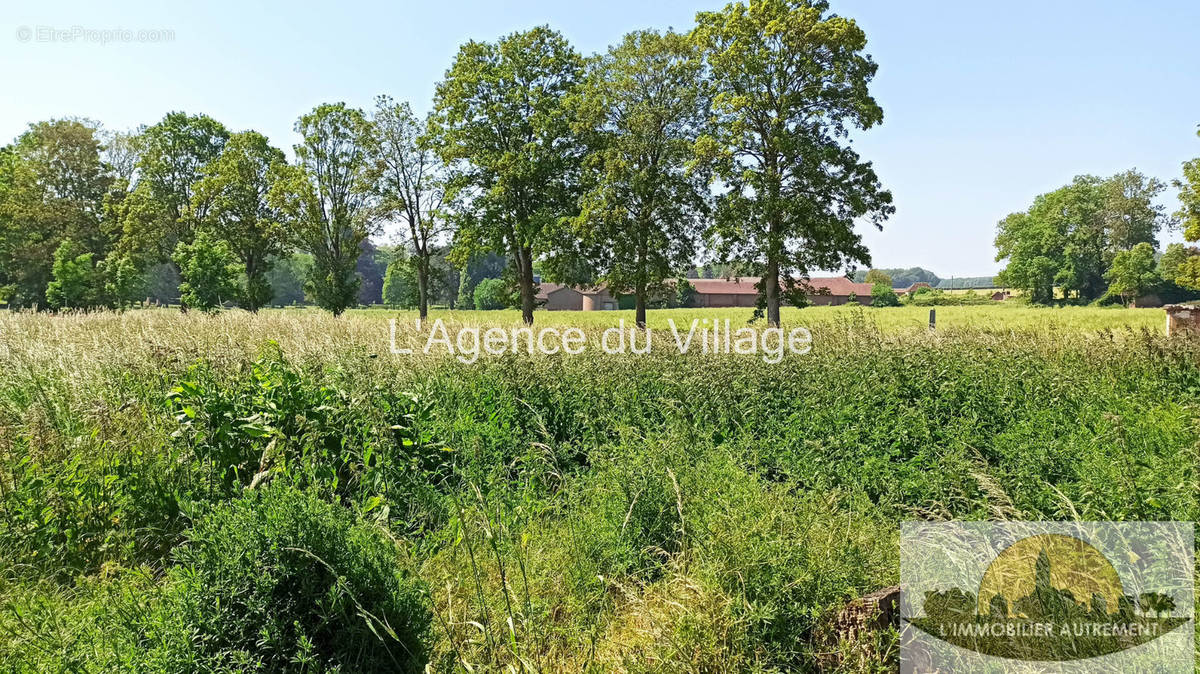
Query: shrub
(208, 272)
(925, 297)
(685, 293)
(400, 284)
(494, 293)
(273, 422)
(281, 580)
(75, 283)
(882, 295)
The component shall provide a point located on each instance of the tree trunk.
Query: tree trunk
(639, 289)
(771, 289)
(775, 242)
(250, 299)
(640, 317)
(183, 307)
(525, 282)
(463, 299)
(423, 288)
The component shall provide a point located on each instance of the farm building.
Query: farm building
(558, 297)
(711, 293)
(741, 292)
(912, 288)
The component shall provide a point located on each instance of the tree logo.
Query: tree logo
(1046, 596)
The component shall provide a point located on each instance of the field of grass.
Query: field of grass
(281, 493)
(999, 316)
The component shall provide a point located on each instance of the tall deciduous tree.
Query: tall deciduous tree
(158, 213)
(1133, 272)
(1070, 237)
(1059, 241)
(328, 198)
(645, 203)
(1131, 212)
(1078, 212)
(231, 201)
(1033, 248)
(501, 121)
(878, 276)
(409, 178)
(790, 81)
(1188, 270)
(52, 188)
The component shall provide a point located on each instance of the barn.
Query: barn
(558, 297)
(712, 293)
(741, 291)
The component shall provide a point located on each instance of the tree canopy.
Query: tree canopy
(173, 153)
(1070, 237)
(790, 79)
(230, 200)
(645, 201)
(1133, 273)
(1187, 272)
(52, 188)
(502, 123)
(409, 179)
(328, 199)
(725, 150)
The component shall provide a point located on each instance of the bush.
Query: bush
(882, 295)
(925, 297)
(208, 271)
(685, 293)
(274, 423)
(75, 283)
(494, 293)
(400, 284)
(281, 580)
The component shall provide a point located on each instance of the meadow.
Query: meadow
(279, 492)
(996, 317)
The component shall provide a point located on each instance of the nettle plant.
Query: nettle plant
(274, 423)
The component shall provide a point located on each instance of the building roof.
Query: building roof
(545, 289)
(839, 286)
(745, 285)
(909, 289)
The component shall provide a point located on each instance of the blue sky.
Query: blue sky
(986, 104)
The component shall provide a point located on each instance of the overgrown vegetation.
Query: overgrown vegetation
(277, 492)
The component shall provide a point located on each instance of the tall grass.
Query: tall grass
(662, 512)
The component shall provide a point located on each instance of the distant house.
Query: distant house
(710, 293)
(912, 289)
(558, 297)
(741, 291)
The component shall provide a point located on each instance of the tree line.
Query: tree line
(614, 168)
(903, 278)
(1096, 239)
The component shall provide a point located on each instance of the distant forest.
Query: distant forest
(902, 278)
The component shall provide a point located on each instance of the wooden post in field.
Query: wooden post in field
(933, 319)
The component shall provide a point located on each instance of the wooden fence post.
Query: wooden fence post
(933, 319)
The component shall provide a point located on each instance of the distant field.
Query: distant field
(998, 316)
